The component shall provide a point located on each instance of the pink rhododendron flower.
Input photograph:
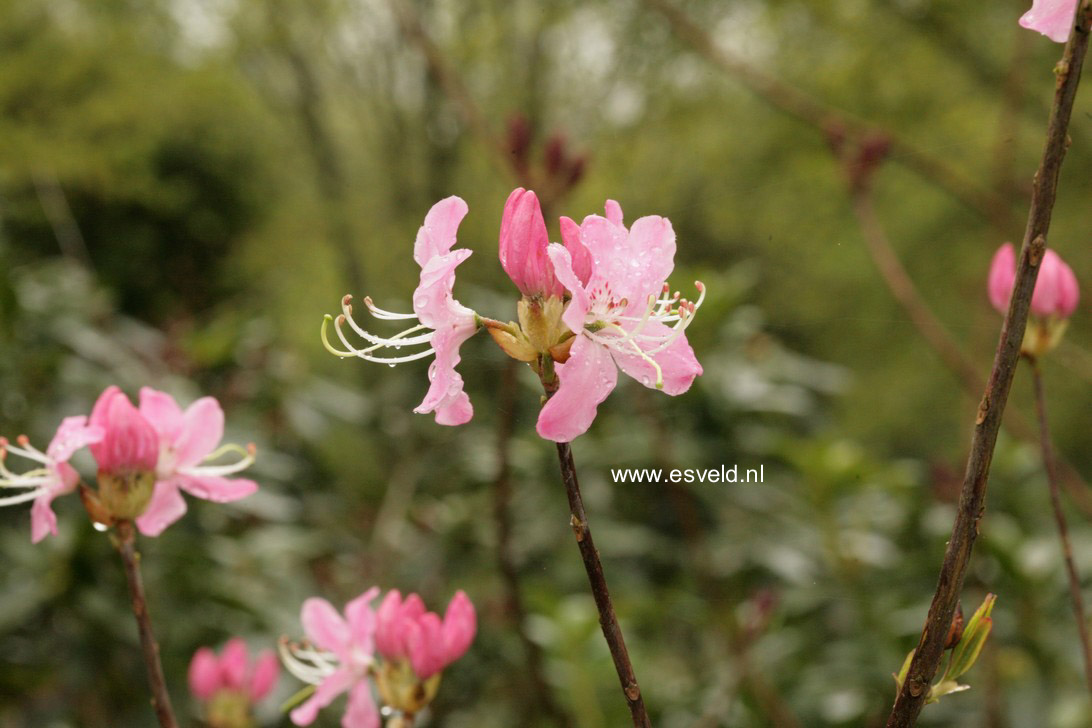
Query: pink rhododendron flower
(435, 308)
(620, 312)
(405, 630)
(233, 672)
(338, 659)
(184, 440)
(1052, 18)
(55, 476)
(1056, 292)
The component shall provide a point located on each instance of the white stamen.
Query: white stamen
(22, 497)
(365, 353)
(248, 454)
(388, 315)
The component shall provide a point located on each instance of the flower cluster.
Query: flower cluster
(228, 686)
(591, 305)
(146, 457)
(339, 654)
(1052, 302)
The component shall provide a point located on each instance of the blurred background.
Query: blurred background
(187, 186)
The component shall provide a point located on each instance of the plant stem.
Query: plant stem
(611, 631)
(1059, 518)
(957, 556)
(161, 699)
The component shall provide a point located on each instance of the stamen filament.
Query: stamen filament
(365, 353)
(388, 315)
(22, 497)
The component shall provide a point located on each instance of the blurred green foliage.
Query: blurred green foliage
(186, 186)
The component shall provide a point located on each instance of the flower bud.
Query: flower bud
(1053, 301)
(126, 455)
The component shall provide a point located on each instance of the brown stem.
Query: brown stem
(502, 497)
(1059, 518)
(930, 647)
(161, 699)
(824, 117)
(611, 631)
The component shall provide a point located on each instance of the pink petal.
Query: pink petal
(72, 435)
(1052, 18)
(234, 661)
(437, 236)
(361, 711)
(162, 411)
(586, 379)
(388, 637)
(202, 430)
(445, 394)
(129, 441)
(266, 671)
(334, 685)
(613, 211)
(216, 489)
(460, 626)
(204, 674)
(577, 309)
(324, 626)
(523, 241)
(361, 618)
(581, 258)
(1069, 292)
(1002, 274)
(677, 362)
(425, 640)
(166, 507)
(43, 521)
(432, 300)
(635, 263)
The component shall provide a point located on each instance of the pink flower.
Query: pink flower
(404, 630)
(232, 671)
(435, 307)
(1052, 18)
(523, 241)
(619, 312)
(183, 441)
(55, 477)
(339, 659)
(129, 443)
(1056, 292)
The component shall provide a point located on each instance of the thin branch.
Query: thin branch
(957, 556)
(824, 117)
(161, 699)
(1059, 519)
(607, 620)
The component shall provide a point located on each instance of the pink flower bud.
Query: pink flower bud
(1056, 292)
(204, 674)
(233, 664)
(404, 630)
(129, 441)
(523, 241)
(460, 626)
(266, 671)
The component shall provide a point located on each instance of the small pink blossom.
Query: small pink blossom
(1052, 18)
(339, 659)
(233, 671)
(55, 477)
(620, 312)
(129, 442)
(1056, 291)
(185, 439)
(405, 630)
(435, 307)
(523, 241)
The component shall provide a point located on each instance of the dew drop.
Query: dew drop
(391, 366)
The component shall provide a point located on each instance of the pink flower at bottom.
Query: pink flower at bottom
(622, 316)
(338, 659)
(405, 630)
(55, 477)
(1052, 18)
(232, 671)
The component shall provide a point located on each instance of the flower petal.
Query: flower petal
(204, 674)
(437, 235)
(581, 258)
(129, 440)
(523, 241)
(388, 638)
(234, 661)
(586, 379)
(72, 435)
(425, 641)
(202, 430)
(460, 626)
(633, 264)
(162, 411)
(166, 507)
(1002, 275)
(43, 521)
(361, 618)
(445, 394)
(324, 626)
(361, 711)
(677, 362)
(216, 489)
(1052, 18)
(266, 671)
(334, 685)
(432, 300)
(577, 309)
(613, 211)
